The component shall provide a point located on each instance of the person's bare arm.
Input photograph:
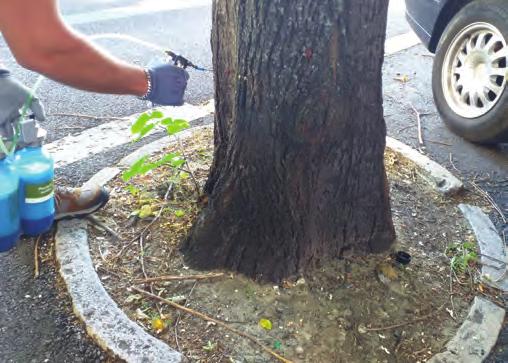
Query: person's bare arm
(42, 42)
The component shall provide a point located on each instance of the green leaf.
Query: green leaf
(168, 158)
(177, 162)
(145, 130)
(176, 126)
(146, 211)
(143, 120)
(179, 213)
(209, 347)
(134, 170)
(148, 167)
(133, 190)
(167, 121)
(265, 324)
(140, 123)
(183, 175)
(469, 246)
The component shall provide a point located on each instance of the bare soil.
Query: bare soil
(357, 309)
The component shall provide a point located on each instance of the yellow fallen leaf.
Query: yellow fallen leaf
(265, 324)
(146, 211)
(158, 325)
(402, 78)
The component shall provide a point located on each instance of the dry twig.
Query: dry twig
(98, 223)
(90, 117)
(439, 142)
(207, 318)
(417, 320)
(191, 173)
(180, 315)
(453, 164)
(451, 294)
(490, 200)
(178, 278)
(419, 124)
(143, 270)
(36, 257)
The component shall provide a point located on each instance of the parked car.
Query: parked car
(470, 72)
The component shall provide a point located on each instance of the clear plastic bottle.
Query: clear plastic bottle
(9, 206)
(35, 168)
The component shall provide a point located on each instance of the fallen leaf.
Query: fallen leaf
(145, 211)
(179, 213)
(158, 325)
(402, 78)
(265, 324)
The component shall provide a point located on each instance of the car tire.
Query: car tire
(477, 113)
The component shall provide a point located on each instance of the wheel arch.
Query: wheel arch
(449, 10)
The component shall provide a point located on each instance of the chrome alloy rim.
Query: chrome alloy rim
(475, 70)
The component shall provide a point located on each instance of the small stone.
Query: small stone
(300, 281)
(299, 350)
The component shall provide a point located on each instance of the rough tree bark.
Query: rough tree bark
(298, 175)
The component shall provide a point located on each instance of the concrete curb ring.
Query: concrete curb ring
(113, 331)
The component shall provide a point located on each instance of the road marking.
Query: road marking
(107, 136)
(401, 42)
(142, 8)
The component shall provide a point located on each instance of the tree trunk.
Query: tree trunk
(298, 175)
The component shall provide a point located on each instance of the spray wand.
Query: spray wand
(181, 61)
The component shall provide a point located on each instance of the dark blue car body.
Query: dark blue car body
(429, 18)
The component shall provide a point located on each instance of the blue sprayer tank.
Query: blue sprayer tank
(9, 207)
(35, 168)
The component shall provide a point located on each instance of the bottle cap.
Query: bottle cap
(31, 133)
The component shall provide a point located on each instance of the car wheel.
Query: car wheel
(470, 74)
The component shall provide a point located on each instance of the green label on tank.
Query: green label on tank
(39, 193)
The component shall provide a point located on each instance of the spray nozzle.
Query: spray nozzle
(181, 61)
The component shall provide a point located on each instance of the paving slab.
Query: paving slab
(477, 335)
(438, 177)
(493, 252)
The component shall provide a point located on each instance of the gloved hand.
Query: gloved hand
(168, 85)
(13, 96)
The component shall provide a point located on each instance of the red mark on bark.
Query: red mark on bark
(308, 53)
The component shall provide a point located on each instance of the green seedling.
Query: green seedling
(210, 347)
(145, 123)
(463, 257)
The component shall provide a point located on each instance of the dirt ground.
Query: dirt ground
(351, 310)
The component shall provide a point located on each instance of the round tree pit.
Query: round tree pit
(348, 309)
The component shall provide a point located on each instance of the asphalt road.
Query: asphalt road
(36, 323)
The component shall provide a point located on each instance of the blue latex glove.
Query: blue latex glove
(13, 96)
(168, 85)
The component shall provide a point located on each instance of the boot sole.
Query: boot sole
(84, 213)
